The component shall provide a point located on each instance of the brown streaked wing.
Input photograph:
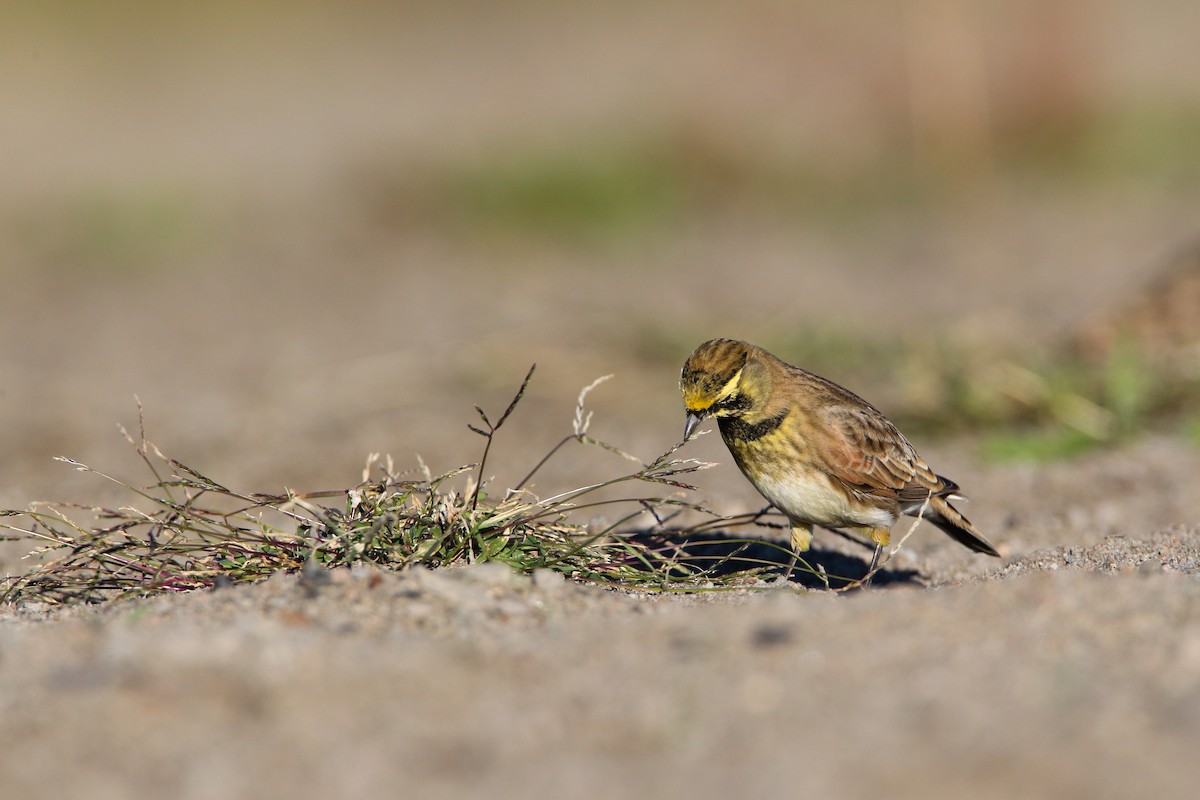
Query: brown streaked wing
(866, 452)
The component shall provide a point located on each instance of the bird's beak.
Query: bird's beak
(693, 419)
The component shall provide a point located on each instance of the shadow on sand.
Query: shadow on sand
(720, 554)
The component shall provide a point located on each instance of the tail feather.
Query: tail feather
(953, 523)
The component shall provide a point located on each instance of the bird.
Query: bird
(816, 451)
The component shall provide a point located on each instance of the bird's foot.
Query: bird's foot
(785, 578)
(866, 581)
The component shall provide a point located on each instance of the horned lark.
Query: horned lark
(819, 453)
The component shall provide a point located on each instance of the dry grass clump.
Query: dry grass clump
(186, 531)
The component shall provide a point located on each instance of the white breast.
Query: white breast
(813, 499)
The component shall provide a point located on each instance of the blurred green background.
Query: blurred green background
(303, 231)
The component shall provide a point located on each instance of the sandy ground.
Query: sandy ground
(302, 328)
(1060, 674)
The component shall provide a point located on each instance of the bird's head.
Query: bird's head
(721, 378)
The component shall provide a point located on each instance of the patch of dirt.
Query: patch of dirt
(1064, 672)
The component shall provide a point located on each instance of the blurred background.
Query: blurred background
(300, 232)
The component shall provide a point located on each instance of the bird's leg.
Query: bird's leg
(801, 541)
(881, 537)
(786, 577)
(874, 563)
